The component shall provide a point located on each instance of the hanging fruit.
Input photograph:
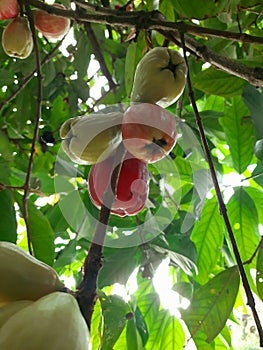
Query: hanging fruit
(148, 131)
(51, 26)
(17, 38)
(132, 185)
(52, 322)
(160, 77)
(23, 276)
(93, 138)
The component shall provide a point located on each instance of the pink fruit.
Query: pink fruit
(51, 26)
(8, 9)
(148, 131)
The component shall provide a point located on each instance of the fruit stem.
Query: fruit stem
(222, 206)
(87, 289)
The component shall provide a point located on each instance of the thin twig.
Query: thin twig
(260, 245)
(250, 298)
(87, 290)
(21, 188)
(37, 121)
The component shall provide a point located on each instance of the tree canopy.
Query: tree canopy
(204, 213)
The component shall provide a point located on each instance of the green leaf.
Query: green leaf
(259, 275)
(41, 233)
(257, 196)
(177, 259)
(130, 65)
(244, 222)
(141, 326)
(118, 266)
(57, 220)
(253, 99)
(95, 330)
(114, 310)
(82, 56)
(173, 337)
(167, 9)
(133, 338)
(198, 9)
(208, 237)
(216, 82)
(240, 134)
(67, 255)
(212, 304)
(8, 217)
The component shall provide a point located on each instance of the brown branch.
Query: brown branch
(222, 206)
(87, 290)
(153, 20)
(99, 56)
(21, 188)
(28, 78)
(37, 121)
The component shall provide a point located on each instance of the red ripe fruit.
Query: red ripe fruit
(132, 186)
(51, 26)
(8, 9)
(148, 131)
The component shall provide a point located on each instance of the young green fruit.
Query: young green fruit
(132, 186)
(52, 322)
(23, 277)
(91, 139)
(258, 149)
(17, 38)
(11, 308)
(160, 77)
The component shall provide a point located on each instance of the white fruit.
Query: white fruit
(160, 77)
(93, 138)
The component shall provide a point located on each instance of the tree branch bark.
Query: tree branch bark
(87, 290)
(155, 21)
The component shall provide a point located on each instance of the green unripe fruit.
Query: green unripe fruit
(160, 77)
(53, 322)
(91, 139)
(17, 38)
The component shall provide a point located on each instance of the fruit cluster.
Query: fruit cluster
(34, 312)
(17, 37)
(147, 130)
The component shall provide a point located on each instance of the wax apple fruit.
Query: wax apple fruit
(160, 77)
(10, 309)
(132, 186)
(90, 139)
(52, 322)
(17, 38)
(51, 26)
(148, 131)
(23, 277)
(8, 9)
